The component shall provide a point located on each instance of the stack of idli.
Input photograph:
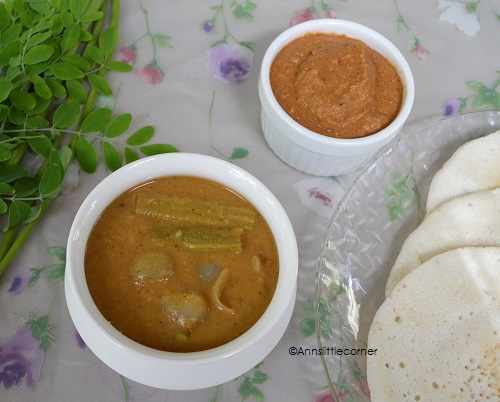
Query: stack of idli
(437, 334)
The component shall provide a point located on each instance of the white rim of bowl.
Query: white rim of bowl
(76, 281)
(308, 138)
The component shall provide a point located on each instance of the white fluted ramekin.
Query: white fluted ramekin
(168, 370)
(318, 154)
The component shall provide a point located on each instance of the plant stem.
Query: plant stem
(19, 152)
(21, 238)
(12, 244)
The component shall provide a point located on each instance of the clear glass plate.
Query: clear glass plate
(366, 231)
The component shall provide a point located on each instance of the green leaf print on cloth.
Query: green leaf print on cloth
(483, 97)
(247, 385)
(402, 192)
(238, 152)
(414, 43)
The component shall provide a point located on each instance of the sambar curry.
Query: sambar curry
(181, 264)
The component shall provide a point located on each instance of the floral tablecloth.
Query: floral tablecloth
(195, 69)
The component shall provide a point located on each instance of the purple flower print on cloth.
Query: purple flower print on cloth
(208, 27)
(229, 59)
(150, 75)
(452, 107)
(76, 336)
(20, 281)
(21, 358)
(230, 64)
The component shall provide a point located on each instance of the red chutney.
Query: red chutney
(336, 85)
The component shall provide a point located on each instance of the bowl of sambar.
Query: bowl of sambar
(181, 271)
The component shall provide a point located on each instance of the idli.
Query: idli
(475, 166)
(469, 220)
(437, 337)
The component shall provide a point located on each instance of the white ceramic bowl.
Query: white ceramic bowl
(181, 371)
(314, 153)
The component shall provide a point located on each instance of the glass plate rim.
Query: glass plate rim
(366, 170)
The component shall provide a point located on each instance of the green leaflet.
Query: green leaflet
(37, 54)
(57, 25)
(66, 114)
(112, 157)
(100, 84)
(141, 136)
(87, 157)
(18, 210)
(50, 182)
(119, 66)
(97, 120)
(119, 125)
(77, 7)
(77, 60)
(6, 189)
(66, 71)
(3, 206)
(41, 87)
(108, 39)
(57, 89)
(4, 17)
(95, 54)
(65, 155)
(76, 91)
(5, 88)
(156, 149)
(40, 144)
(9, 51)
(91, 17)
(11, 33)
(26, 186)
(5, 153)
(130, 155)
(38, 38)
(70, 37)
(22, 100)
(9, 173)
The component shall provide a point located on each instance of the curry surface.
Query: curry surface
(135, 307)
